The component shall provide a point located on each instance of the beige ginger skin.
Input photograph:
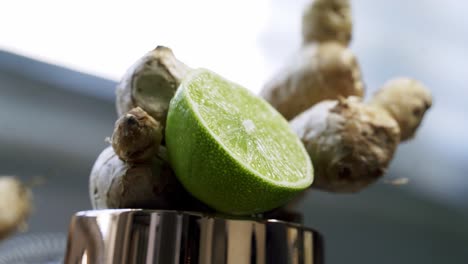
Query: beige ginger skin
(349, 142)
(15, 205)
(137, 136)
(327, 20)
(406, 100)
(320, 71)
(135, 172)
(115, 183)
(151, 83)
(324, 68)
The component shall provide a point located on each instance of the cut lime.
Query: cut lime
(231, 149)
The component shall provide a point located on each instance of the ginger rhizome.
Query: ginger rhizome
(352, 143)
(137, 136)
(327, 20)
(406, 100)
(115, 183)
(318, 72)
(134, 172)
(349, 142)
(15, 205)
(324, 68)
(151, 83)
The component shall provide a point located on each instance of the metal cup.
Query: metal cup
(130, 236)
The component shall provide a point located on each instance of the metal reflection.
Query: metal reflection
(143, 236)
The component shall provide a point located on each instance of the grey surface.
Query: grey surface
(38, 248)
(51, 132)
(387, 224)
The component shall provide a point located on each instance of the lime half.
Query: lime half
(231, 149)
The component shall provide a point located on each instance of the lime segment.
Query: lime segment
(231, 149)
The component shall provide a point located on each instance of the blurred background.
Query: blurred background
(60, 61)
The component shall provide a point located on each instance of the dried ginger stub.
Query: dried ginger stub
(351, 143)
(137, 136)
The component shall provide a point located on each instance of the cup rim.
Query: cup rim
(201, 215)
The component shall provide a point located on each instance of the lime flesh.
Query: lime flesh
(231, 149)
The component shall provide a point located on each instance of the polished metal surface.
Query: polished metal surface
(143, 236)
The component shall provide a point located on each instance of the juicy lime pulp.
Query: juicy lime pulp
(231, 149)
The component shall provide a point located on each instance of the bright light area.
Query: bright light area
(105, 37)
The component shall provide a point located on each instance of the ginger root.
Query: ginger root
(407, 100)
(135, 172)
(15, 205)
(318, 72)
(137, 136)
(352, 143)
(327, 20)
(324, 68)
(151, 83)
(151, 185)
(349, 142)
(118, 184)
